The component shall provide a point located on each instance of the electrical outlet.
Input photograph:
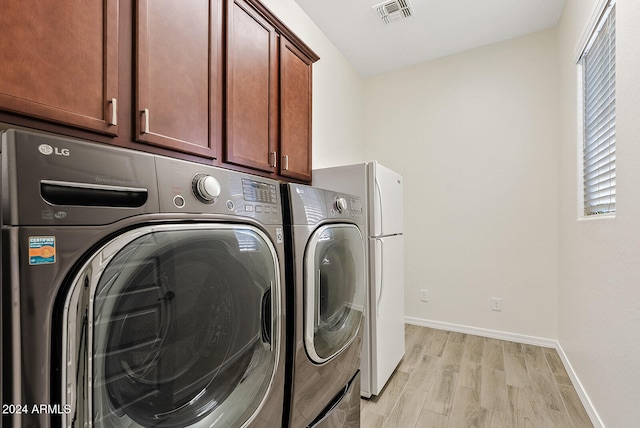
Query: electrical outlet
(496, 304)
(424, 295)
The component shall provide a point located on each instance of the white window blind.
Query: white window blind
(599, 154)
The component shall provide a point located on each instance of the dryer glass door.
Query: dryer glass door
(334, 289)
(181, 329)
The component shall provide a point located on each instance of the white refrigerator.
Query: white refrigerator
(381, 189)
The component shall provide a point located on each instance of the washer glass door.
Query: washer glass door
(334, 289)
(173, 326)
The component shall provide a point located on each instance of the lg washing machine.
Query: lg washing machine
(137, 290)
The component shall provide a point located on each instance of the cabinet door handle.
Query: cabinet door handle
(145, 121)
(274, 159)
(285, 162)
(114, 112)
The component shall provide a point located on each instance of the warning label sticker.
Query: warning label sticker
(42, 250)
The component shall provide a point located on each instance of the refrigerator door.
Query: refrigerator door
(386, 316)
(385, 194)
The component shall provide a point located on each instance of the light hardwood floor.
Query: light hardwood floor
(455, 380)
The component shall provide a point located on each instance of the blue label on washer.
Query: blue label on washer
(42, 250)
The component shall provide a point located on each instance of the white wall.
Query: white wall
(599, 290)
(338, 112)
(475, 137)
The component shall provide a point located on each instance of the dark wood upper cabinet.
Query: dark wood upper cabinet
(60, 61)
(268, 104)
(295, 112)
(222, 82)
(179, 74)
(252, 82)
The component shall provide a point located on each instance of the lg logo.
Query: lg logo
(46, 149)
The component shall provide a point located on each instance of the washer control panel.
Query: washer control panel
(193, 188)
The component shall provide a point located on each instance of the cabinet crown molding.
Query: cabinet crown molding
(283, 29)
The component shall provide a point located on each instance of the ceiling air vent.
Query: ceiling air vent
(394, 10)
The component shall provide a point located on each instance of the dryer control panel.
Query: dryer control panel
(311, 205)
(343, 205)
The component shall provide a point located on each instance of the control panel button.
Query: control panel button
(206, 188)
(178, 201)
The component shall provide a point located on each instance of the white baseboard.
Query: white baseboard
(586, 402)
(520, 338)
(495, 334)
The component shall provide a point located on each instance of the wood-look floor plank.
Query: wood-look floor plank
(422, 377)
(493, 354)
(437, 343)
(474, 345)
(455, 337)
(456, 380)
(386, 401)
(411, 358)
(574, 406)
(471, 365)
(469, 415)
(535, 357)
(466, 410)
(523, 413)
(471, 374)
(513, 348)
(416, 342)
(545, 416)
(440, 397)
(515, 368)
(498, 420)
(407, 410)
(544, 384)
(452, 356)
(429, 419)
(424, 336)
(369, 418)
(410, 331)
(549, 417)
(493, 392)
(557, 368)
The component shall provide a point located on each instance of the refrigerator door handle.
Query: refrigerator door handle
(379, 209)
(379, 267)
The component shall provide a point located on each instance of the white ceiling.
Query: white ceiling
(438, 28)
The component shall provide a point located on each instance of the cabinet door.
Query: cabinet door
(178, 74)
(295, 112)
(252, 81)
(61, 61)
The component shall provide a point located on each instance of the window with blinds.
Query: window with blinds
(598, 62)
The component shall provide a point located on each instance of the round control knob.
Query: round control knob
(206, 188)
(341, 204)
